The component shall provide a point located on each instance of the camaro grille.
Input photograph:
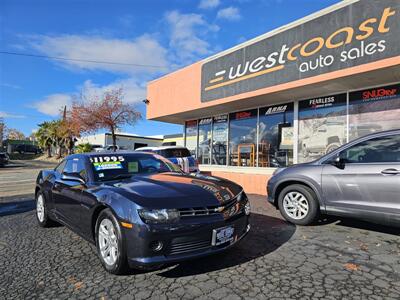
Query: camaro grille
(179, 247)
(208, 210)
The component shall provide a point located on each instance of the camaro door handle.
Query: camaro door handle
(390, 172)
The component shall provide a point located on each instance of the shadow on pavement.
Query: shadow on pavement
(360, 224)
(12, 208)
(266, 235)
(11, 165)
(16, 198)
(356, 223)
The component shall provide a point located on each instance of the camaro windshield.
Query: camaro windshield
(118, 166)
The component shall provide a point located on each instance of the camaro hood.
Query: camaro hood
(173, 190)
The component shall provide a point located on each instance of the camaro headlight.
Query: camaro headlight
(247, 208)
(159, 215)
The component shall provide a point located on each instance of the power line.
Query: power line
(81, 60)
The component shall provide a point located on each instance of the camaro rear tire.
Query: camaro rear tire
(298, 204)
(110, 243)
(42, 215)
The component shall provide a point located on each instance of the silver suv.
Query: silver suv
(360, 179)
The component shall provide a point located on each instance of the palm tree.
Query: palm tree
(45, 137)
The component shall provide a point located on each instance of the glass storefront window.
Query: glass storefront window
(275, 136)
(374, 110)
(322, 126)
(191, 136)
(220, 140)
(204, 150)
(243, 138)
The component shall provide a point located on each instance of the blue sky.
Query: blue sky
(168, 34)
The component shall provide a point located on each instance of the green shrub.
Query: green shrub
(83, 148)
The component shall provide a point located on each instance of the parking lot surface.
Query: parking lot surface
(18, 178)
(335, 259)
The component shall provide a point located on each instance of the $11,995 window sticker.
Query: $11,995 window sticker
(107, 162)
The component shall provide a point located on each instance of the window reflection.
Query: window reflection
(275, 146)
(374, 110)
(242, 138)
(220, 140)
(322, 126)
(204, 151)
(191, 136)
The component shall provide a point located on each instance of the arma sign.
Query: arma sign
(359, 33)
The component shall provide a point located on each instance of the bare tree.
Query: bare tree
(108, 112)
(14, 134)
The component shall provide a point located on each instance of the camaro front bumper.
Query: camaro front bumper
(191, 238)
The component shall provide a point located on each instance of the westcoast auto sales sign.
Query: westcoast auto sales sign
(359, 33)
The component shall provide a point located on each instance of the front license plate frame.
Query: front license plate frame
(223, 235)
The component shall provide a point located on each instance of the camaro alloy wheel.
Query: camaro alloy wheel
(40, 209)
(296, 205)
(108, 242)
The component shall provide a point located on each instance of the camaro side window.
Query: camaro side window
(377, 150)
(60, 167)
(76, 166)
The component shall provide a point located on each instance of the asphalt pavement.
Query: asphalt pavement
(17, 179)
(334, 259)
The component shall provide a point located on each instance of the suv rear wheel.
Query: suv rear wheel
(298, 204)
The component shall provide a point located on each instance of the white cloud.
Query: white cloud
(206, 4)
(53, 104)
(133, 91)
(7, 115)
(144, 50)
(186, 35)
(230, 13)
(11, 86)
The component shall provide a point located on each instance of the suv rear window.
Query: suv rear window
(178, 152)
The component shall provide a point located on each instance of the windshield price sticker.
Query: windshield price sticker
(101, 159)
(108, 165)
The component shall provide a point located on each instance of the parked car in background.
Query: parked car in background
(96, 148)
(28, 148)
(330, 137)
(4, 159)
(140, 209)
(360, 179)
(177, 154)
(100, 148)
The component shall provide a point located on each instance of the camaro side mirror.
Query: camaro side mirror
(72, 177)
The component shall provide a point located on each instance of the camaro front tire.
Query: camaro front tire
(42, 215)
(110, 243)
(298, 204)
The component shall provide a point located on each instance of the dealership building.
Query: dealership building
(288, 96)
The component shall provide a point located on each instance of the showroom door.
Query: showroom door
(368, 181)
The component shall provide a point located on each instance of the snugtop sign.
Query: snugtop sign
(362, 32)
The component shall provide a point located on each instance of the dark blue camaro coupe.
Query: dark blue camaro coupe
(141, 210)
